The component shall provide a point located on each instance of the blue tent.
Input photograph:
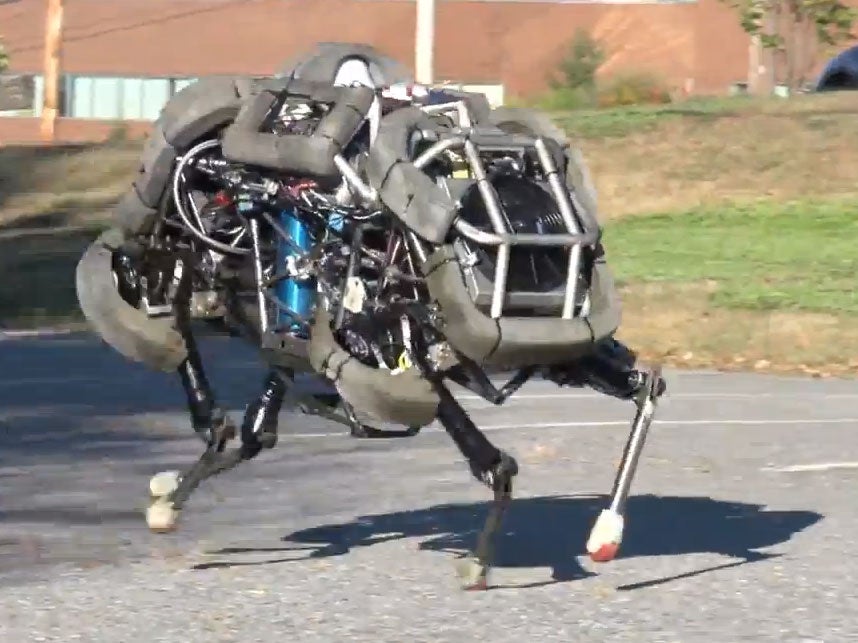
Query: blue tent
(840, 73)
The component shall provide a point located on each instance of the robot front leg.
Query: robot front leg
(611, 370)
(169, 490)
(209, 421)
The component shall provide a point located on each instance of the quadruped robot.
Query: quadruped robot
(380, 235)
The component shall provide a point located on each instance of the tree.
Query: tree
(574, 80)
(796, 32)
(4, 58)
(578, 68)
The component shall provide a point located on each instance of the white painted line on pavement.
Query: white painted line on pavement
(819, 466)
(686, 395)
(624, 423)
(11, 335)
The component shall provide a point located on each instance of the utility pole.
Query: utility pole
(755, 62)
(53, 44)
(424, 44)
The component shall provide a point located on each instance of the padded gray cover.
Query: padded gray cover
(246, 140)
(412, 195)
(322, 62)
(152, 341)
(201, 107)
(516, 342)
(406, 398)
(195, 112)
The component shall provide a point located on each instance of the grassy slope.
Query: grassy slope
(770, 284)
(787, 256)
(67, 191)
(63, 185)
(728, 223)
(716, 153)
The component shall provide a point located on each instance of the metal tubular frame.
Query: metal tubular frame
(562, 198)
(198, 230)
(502, 237)
(495, 212)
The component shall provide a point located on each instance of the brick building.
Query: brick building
(122, 60)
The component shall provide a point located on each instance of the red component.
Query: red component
(300, 185)
(605, 553)
(479, 586)
(221, 199)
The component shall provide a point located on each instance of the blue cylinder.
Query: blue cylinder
(297, 295)
(336, 221)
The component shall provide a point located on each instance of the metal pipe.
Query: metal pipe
(590, 222)
(562, 198)
(476, 235)
(286, 310)
(562, 195)
(486, 191)
(440, 108)
(464, 115)
(495, 213)
(523, 238)
(366, 192)
(417, 246)
(282, 232)
(501, 272)
(351, 271)
(258, 274)
(436, 149)
(460, 107)
(631, 455)
(178, 179)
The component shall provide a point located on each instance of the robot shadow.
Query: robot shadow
(550, 532)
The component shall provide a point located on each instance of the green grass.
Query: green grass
(63, 184)
(622, 121)
(799, 256)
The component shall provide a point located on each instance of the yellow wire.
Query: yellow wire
(404, 362)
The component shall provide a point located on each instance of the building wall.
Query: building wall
(123, 59)
(513, 43)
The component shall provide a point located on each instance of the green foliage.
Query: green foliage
(4, 58)
(832, 20)
(795, 31)
(574, 81)
(574, 85)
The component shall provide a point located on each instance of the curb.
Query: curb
(11, 333)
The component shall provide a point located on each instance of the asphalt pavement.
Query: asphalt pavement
(740, 527)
